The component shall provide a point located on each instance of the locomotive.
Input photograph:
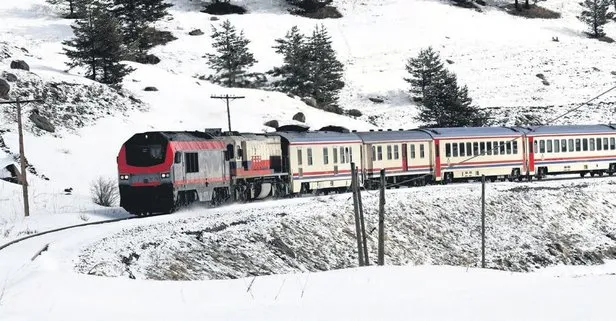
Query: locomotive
(160, 171)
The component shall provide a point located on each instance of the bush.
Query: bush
(104, 192)
(354, 113)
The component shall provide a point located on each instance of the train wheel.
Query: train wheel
(600, 173)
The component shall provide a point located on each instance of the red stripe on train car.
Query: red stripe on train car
(326, 143)
(575, 158)
(322, 173)
(516, 161)
(197, 145)
(200, 180)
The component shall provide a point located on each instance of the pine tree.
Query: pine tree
(293, 72)
(97, 46)
(135, 17)
(232, 57)
(447, 105)
(595, 16)
(325, 71)
(424, 69)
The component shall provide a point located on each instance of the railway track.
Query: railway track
(21, 239)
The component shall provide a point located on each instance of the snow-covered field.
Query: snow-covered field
(497, 55)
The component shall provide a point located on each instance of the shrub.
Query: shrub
(104, 192)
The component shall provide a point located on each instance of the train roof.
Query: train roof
(317, 136)
(569, 129)
(398, 135)
(185, 136)
(458, 132)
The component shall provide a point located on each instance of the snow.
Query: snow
(495, 54)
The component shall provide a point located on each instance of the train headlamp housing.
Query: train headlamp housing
(165, 175)
(124, 177)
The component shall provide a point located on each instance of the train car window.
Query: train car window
(350, 149)
(192, 162)
(389, 154)
(578, 145)
(549, 143)
(515, 147)
(342, 159)
(325, 155)
(396, 152)
(489, 148)
(335, 154)
(542, 146)
(502, 147)
(571, 145)
(556, 146)
(309, 156)
(469, 149)
(448, 150)
(585, 144)
(612, 143)
(454, 149)
(379, 153)
(563, 145)
(462, 150)
(412, 150)
(178, 157)
(605, 144)
(373, 152)
(591, 144)
(482, 148)
(599, 144)
(536, 148)
(508, 148)
(240, 154)
(421, 151)
(229, 153)
(299, 156)
(495, 148)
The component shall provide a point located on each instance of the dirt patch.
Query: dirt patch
(223, 8)
(534, 12)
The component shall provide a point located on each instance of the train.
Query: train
(162, 171)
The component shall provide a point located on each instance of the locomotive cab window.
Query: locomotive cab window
(192, 162)
(178, 157)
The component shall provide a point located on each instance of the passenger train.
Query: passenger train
(162, 171)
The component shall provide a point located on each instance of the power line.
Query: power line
(227, 98)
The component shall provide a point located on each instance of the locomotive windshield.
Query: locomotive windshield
(144, 150)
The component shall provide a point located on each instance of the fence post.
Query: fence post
(360, 250)
(483, 221)
(382, 220)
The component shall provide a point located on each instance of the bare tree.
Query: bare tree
(104, 192)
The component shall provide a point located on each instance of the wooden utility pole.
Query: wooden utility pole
(358, 232)
(382, 220)
(361, 218)
(22, 156)
(227, 98)
(483, 221)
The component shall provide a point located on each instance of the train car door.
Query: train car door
(405, 163)
(437, 160)
(179, 171)
(531, 154)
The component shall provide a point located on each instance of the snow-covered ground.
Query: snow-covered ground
(497, 55)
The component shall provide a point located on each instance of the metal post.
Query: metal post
(356, 210)
(227, 98)
(361, 218)
(381, 258)
(22, 160)
(483, 221)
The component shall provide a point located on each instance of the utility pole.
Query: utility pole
(361, 218)
(483, 221)
(381, 258)
(22, 156)
(358, 232)
(227, 98)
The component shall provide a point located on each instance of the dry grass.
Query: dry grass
(534, 12)
(104, 192)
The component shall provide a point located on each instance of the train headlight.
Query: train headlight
(165, 175)
(124, 177)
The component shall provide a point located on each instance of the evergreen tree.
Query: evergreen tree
(293, 72)
(135, 17)
(232, 56)
(424, 70)
(74, 9)
(325, 71)
(447, 105)
(595, 16)
(97, 46)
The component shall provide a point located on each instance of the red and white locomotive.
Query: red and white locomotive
(160, 171)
